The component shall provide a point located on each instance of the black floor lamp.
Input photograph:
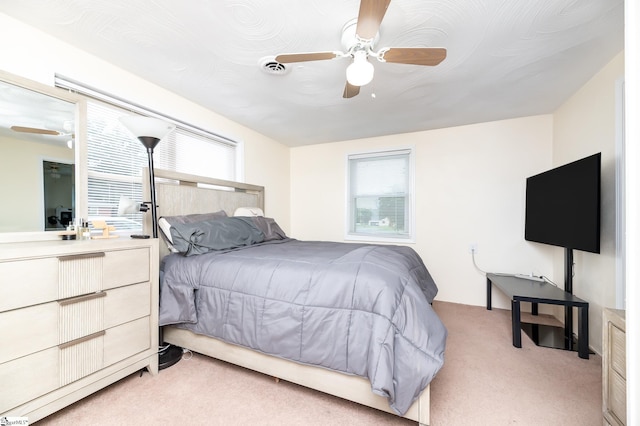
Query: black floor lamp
(150, 131)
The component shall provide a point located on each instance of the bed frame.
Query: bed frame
(180, 194)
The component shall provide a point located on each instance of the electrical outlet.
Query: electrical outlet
(473, 248)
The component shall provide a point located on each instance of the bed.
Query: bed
(374, 333)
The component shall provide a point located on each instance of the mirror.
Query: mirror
(59, 202)
(40, 132)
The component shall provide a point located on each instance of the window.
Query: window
(380, 196)
(116, 159)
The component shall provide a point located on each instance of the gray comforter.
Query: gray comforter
(360, 309)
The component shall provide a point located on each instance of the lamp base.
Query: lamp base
(169, 356)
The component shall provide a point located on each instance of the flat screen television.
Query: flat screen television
(563, 206)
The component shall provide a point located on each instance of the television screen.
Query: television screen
(563, 206)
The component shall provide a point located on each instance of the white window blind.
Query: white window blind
(116, 159)
(380, 195)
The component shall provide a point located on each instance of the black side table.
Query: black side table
(534, 291)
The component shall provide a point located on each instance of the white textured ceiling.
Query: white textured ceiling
(505, 58)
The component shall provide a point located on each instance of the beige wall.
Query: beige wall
(585, 125)
(470, 184)
(32, 54)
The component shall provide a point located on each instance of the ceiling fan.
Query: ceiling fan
(67, 127)
(22, 129)
(358, 39)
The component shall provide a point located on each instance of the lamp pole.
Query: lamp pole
(150, 143)
(150, 131)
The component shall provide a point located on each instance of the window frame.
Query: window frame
(410, 203)
(105, 100)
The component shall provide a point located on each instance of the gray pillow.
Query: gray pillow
(269, 228)
(166, 222)
(214, 234)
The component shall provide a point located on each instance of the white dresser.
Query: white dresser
(614, 383)
(75, 316)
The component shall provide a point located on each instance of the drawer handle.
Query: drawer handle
(84, 298)
(82, 339)
(81, 256)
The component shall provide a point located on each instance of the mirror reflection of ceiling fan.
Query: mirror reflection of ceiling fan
(67, 127)
(358, 39)
(34, 130)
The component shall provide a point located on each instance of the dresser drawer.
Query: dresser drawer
(28, 282)
(123, 267)
(28, 330)
(28, 377)
(618, 350)
(86, 355)
(618, 398)
(40, 327)
(125, 304)
(126, 340)
(33, 281)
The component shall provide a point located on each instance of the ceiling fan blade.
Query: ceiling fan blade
(34, 130)
(414, 55)
(370, 16)
(350, 90)
(286, 58)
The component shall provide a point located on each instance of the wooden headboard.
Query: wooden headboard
(180, 194)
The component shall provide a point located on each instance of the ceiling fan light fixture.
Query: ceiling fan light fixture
(360, 72)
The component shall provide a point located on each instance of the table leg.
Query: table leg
(535, 328)
(583, 332)
(488, 294)
(568, 327)
(515, 323)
